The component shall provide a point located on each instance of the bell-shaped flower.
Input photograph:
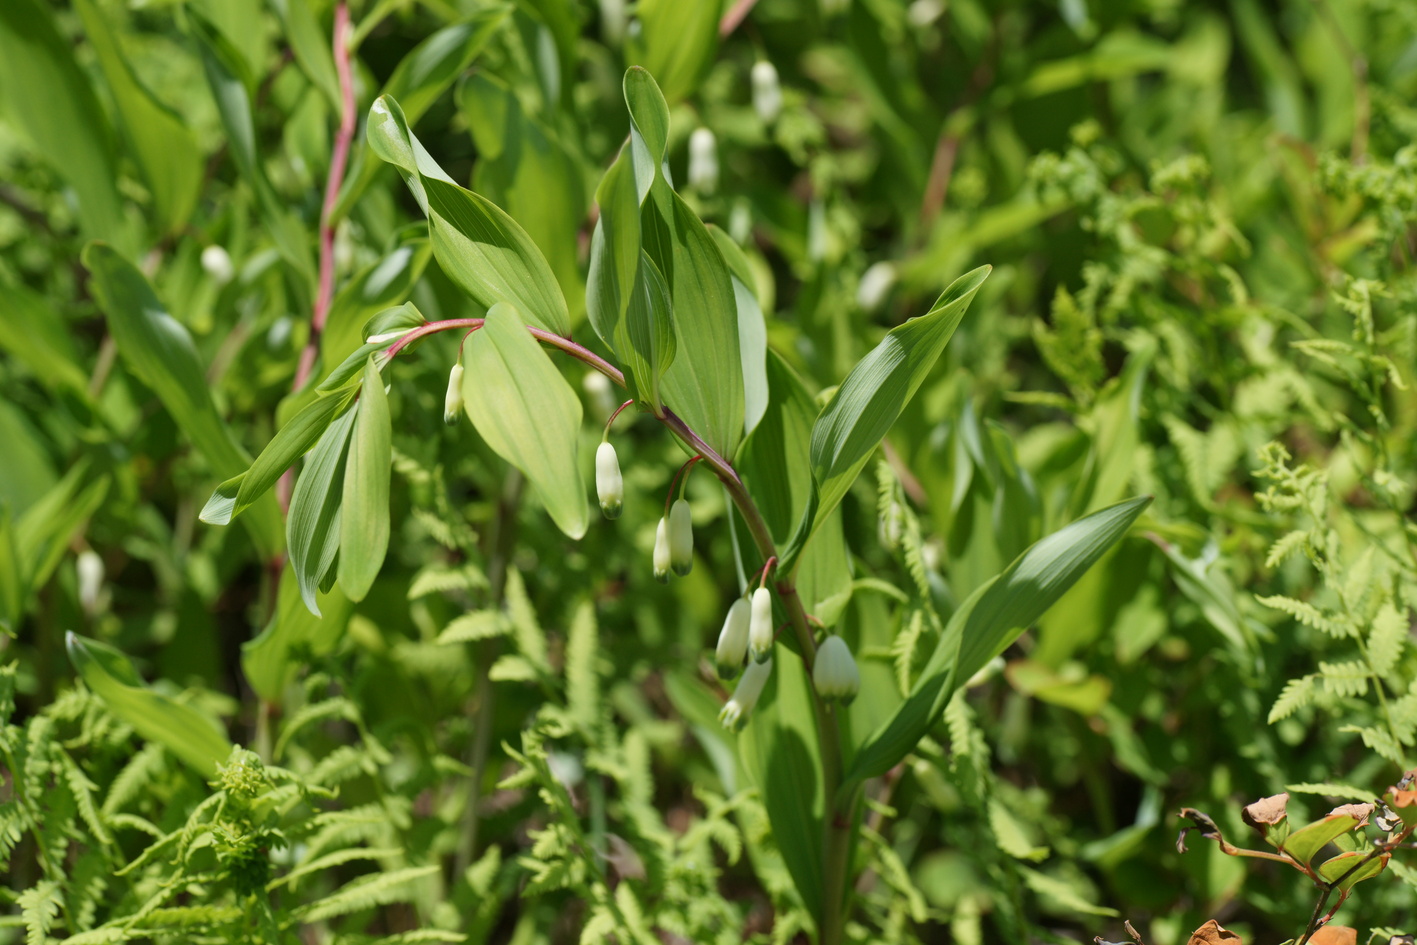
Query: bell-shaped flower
(681, 538)
(703, 161)
(661, 551)
(733, 640)
(452, 401)
(767, 93)
(760, 625)
(609, 484)
(835, 674)
(736, 711)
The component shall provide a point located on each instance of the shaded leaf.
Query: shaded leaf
(364, 515)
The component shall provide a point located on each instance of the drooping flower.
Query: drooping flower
(681, 538)
(760, 626)
(736, 711)
(733, 640)
(452, 401)
(609, 484)
(703, 161)
(217, 262)
(835, 674)
(661, 551)
(767, 92)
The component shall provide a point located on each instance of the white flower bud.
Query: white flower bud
(875, 283)
(217, 262)
(767, 93)
(760, 626)
(452, 402)
(750, 687)
(609, 485)
(661, 551)
(835, 674)
(681, 538)
(703, 161)
(90, 570)
(733, 640)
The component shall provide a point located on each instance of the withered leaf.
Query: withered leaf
(1212, 934)
(1334, 935)
(1398, 796)
(1266, 810)
(1359, 812)
(1199, 821)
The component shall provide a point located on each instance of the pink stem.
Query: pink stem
(733, 17)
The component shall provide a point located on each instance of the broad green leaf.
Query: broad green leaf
(47, 97)
(704, 385)
(987, 622)
(181, 728)
(645, 336)
(527, 412)
(418, 81)
(1337, 866)
(1305, 843)
(28, 471)
(44, 530)
(752, 330)
(869, 401)
(614, 249)
(779, 752)
(1115, 434)
(364, 519)
(313, 527)
(292, 442)
(374, 288)
(162, 142)
(649, 128)
(523, 167)
(226, 74)
(774, 460)
(676, 43)
(480, 248)
(160, 353)
(271, 659)
(311, 46)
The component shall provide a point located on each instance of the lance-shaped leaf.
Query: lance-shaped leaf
(752, 330)
(419, 79)
(649, 128)
(364, 516)
(614, 249)
(873, 395)
(527, 412)
(313, 528)
(987, 622)
(181, 728)
(645, 336)
(478, 245)
(160, 353)
(163, 144)
(311, 45)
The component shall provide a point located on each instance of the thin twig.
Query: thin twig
(735, 16)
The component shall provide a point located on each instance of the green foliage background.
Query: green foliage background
(1200, 218)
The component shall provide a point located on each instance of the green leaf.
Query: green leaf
(33, 332)
(614, 249)
(1335, 867)
(649, 128)
(364, 521)
(162, 142)
(311, 46)
(313, 528)
(373, 289)
(752, 330)
(13, 587)
(704, 385)
(160, 353)
(293, 634)
(418, 81)
(869, 401)
(43, 532)
(676, 42)
(181, 728)
(527, 412)
(230, 85)
(645, 336)
(778, 749)
(523, 167)
(1306, 842)
(987, 622)
(481, 249)
(47, 97)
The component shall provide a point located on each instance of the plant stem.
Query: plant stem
(839, 812)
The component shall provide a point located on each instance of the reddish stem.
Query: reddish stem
(734, 16)
(618, 411)
(682, 471)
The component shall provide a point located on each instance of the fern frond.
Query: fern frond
(1346, 792)
(366, 892)
(39, 906)
(475, 625)
(1296, 694)
(1347, 678)
(442, 579)
(83, 791)
(1309, 615)
(333, 859)
(1286, 545)
(582, 661)
(527, 632)
(1379, 741)
(1385, 639)
(140, 772)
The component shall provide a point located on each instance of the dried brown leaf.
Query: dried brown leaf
(1212, 934)
(1334, 935)
(1359, 812)
(1266, 810)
